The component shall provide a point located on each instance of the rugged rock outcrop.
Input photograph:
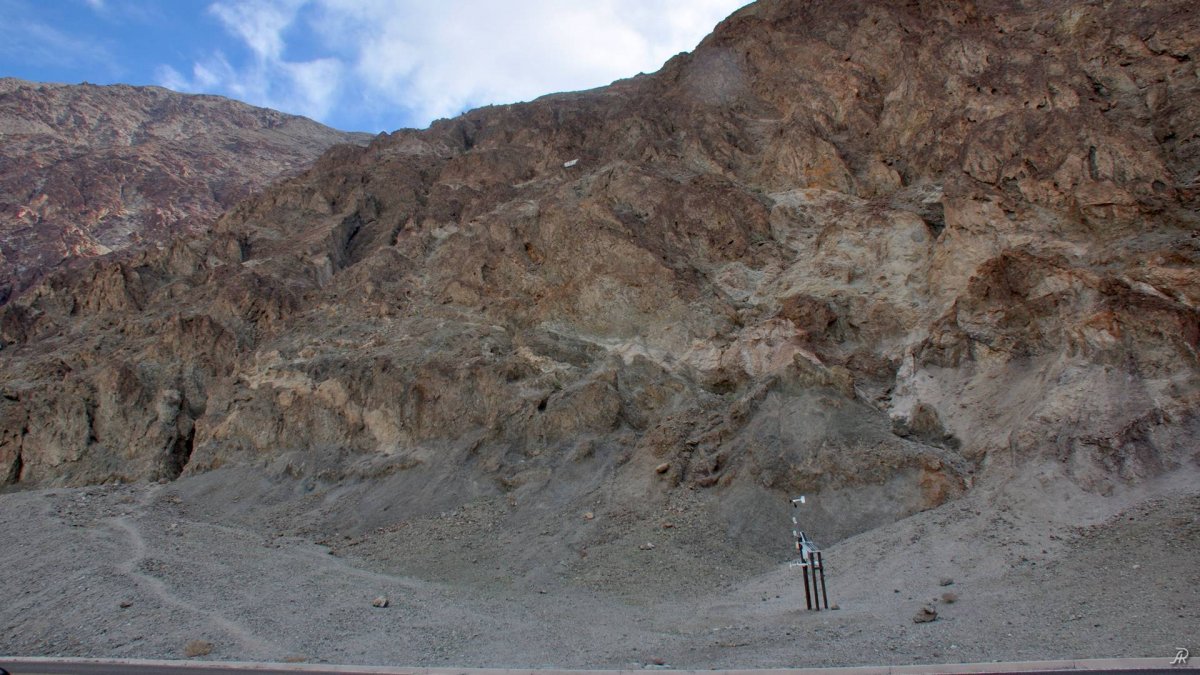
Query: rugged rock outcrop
(870, 250)
(88, 170)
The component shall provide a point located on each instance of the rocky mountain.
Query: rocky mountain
(87, 170)
(878, 252)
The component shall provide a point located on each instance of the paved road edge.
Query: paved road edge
(1144, 664)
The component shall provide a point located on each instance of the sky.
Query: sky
(359, 65)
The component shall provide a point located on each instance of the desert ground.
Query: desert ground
(1029, 569)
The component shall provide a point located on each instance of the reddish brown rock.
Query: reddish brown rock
(92, 169)
(196, 648)
(866, 251)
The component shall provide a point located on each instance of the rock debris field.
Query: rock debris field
(533, 386)
(180, 569)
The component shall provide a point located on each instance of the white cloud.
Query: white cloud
(411, 61)
(268, 79)
(259, 24)
(97, 5)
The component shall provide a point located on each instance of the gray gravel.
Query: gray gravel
(142, 570)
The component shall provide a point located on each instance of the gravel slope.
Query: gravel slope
(1052, 574)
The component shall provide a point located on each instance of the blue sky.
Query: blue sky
(364, 65)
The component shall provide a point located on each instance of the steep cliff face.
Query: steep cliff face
(88, 170)
(869, 250)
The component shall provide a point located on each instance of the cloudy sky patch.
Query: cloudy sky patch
(373, 65)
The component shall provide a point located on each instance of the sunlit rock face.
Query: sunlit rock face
(869, 251)
(89, 170)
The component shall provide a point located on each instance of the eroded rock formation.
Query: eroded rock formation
(87, 170)
(869, 250)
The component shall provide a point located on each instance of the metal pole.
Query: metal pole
(807, 598)
(821, 566)
(816, 573)
(811, 560)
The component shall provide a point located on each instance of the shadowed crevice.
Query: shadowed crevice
(14, 471)
(181, 452)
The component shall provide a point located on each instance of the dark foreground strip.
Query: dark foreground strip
(51, 666)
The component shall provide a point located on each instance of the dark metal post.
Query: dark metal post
(807, 598)
(821, 566)
(810, 561)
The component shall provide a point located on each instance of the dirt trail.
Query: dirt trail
(249, 644)
(1031, 580)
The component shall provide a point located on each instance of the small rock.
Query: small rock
(646, 546)
(657, 661)
(925, 614)
(945, 581)
(381, 601)
(125, 604)
(667, 526)
(589, 516)
(949, 597)
(197, 648)
(835, 606)
(662, 468)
